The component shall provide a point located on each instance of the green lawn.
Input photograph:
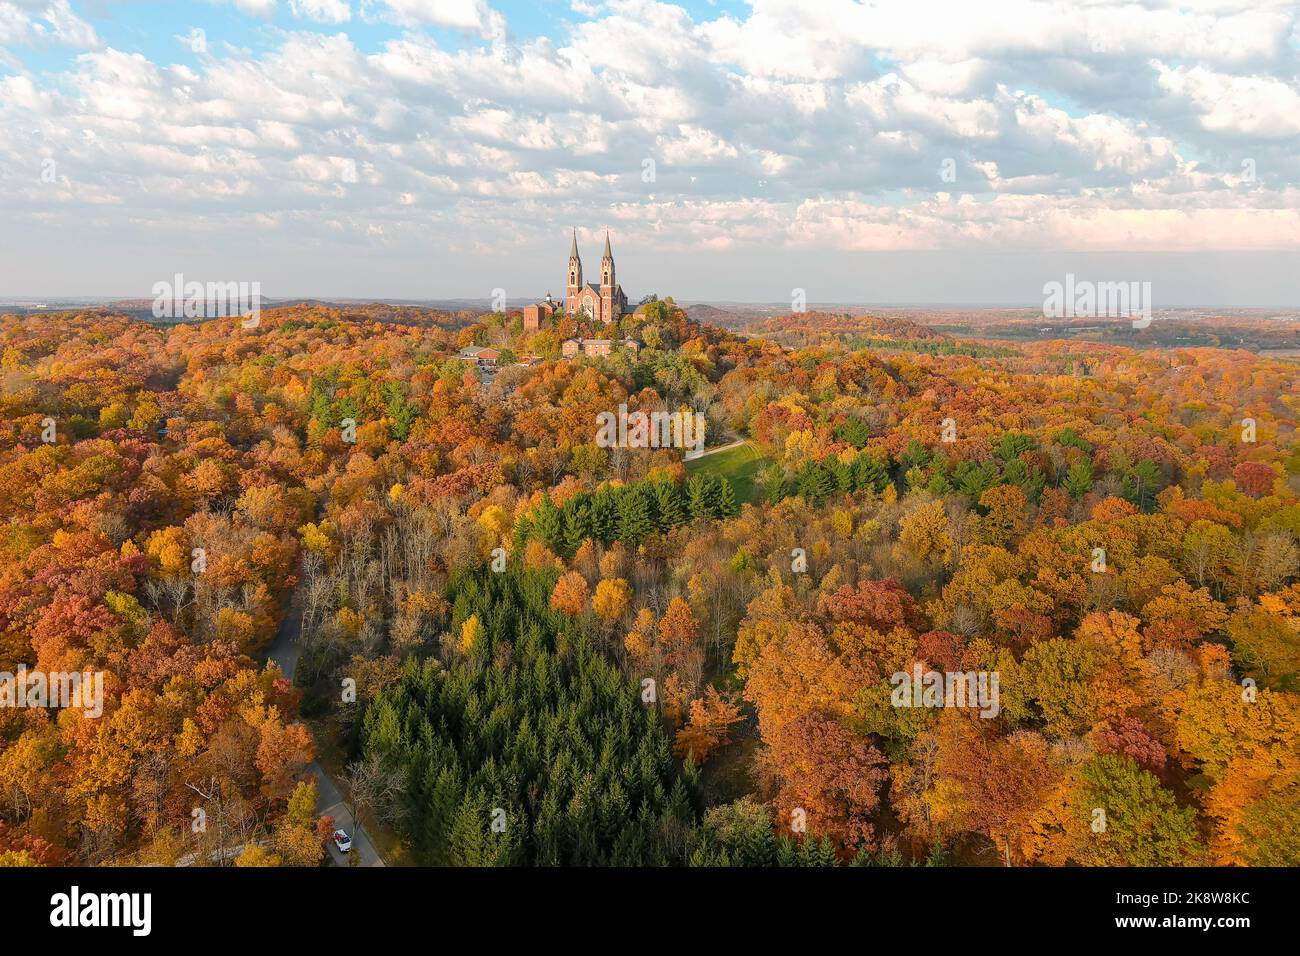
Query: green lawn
(740, 465)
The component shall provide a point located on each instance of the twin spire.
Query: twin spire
(605, 302)
(573, 248)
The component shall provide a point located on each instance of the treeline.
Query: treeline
(816, 481)
(627, 513)
(975, 350)
(1016, 461)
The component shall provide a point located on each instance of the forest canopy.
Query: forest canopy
(515, 646)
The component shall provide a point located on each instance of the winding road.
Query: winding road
(285, 651)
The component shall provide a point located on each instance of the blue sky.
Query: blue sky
(895, 151)
(150, 27)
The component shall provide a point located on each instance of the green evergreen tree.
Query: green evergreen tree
(772, 481)
(854, 431)
(814, 484)
(552, 733)
(1013, 444)
(697, 502)
(671, 508)
(548, 525)
(728, 506)
(972, 480)
(1078, 480)
(604, 516)
(840, 473)
(578, 525)
(634, 522)
(869, 474)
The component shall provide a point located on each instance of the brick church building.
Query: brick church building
(605, 302)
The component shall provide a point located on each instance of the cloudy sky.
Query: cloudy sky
(918, 151)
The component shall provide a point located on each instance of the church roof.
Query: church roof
(608, 254)
(573, 249)
(618, 289)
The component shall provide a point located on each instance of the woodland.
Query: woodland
(519, 647)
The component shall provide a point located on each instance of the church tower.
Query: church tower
(608, 287)
(575, 278)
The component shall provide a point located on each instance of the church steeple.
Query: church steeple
(575, 277)
(607, 267)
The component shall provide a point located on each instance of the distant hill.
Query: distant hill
(711, 315)
(809, 328)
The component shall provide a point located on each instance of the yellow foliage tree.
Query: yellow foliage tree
(923, 534)
(471, 634)
(611, 600)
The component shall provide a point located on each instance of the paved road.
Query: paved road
(330, 801)
(285, 651)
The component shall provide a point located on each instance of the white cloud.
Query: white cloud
(327, 169)
(1246, 106)
(694, 146)
(40, 23)
(474, 16)
(322, 11)
(257, 8)
(794, 124)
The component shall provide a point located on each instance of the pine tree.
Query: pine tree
(645, 491)
(840, 473)
(728, 506)
(555, 720)
(773, 483)
(869, 474)
(548, 525)
(1078, 480)
(671, 510)
(757, 846)
(604, 516)
(469, 829)
(1013, 444)
(815, 852)
(814, 484)
(633, 519)
(697, 504)
(713, 495)
(577, 525)
(787, 852)
(854, 431)
(973, 480)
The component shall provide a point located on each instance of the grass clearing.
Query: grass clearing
(739, 465)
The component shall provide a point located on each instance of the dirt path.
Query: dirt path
(718, 448)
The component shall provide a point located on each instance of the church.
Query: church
(605, 302)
